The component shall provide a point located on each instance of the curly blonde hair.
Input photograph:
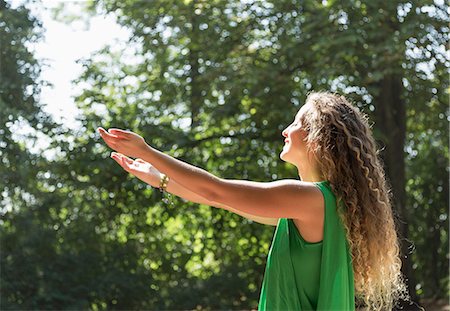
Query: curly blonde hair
(341, 141)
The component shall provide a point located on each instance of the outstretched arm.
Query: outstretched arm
(150, 175)
(278, 199)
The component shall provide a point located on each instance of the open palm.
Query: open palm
(139, 168)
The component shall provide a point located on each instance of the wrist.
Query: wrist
(154, 180)
(143, 152)
(163, 181)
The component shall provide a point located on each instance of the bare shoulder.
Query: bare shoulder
(306, 194)
(310, 196)
(304, 188)
(294, 182)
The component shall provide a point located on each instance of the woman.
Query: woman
(336, 235)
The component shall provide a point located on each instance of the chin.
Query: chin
(283, 157)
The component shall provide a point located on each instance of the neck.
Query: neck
(310, 174)
(310, 178)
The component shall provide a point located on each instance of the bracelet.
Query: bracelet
(166, 197)
(163, 182)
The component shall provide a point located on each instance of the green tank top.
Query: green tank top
(309, 276)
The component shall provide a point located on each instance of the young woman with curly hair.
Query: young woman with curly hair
(336, 240)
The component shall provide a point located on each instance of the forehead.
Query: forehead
(302, 111)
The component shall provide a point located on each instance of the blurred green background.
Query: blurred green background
(212, 83)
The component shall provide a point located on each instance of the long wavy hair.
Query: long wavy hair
(341, 141)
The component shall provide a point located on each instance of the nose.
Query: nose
(284, 133)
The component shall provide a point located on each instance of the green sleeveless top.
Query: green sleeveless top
(309, 276)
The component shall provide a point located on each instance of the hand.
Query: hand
(125, 142)
(139, 168)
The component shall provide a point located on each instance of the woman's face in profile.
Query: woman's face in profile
(294, 149)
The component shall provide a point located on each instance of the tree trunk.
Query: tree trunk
(390, 116)
(195, 94)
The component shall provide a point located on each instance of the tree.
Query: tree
(377, 56)
(21, 218)
(213, 83)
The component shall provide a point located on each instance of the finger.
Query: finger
(108, 136)
(116, 155)
(140, 161)
(123, 159)
(117, 159)
(125, 164)
(101, 130)
(110, 142)
(120, 133)
(104, 134)
(127, 159)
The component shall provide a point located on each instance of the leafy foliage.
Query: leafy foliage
(212, 83)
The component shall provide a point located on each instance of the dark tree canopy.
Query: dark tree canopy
(212, 83)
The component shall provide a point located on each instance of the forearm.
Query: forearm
(180, 191)
(188, 176)
(175, 188)
(150, 175)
